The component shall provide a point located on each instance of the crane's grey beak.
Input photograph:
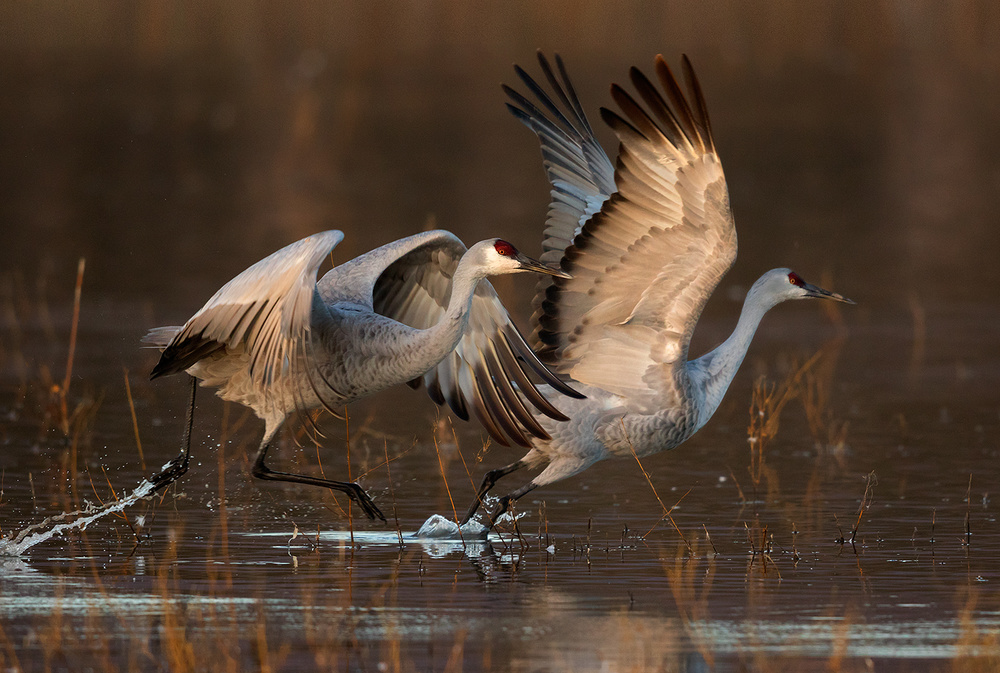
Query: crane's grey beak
(529, 264)
(820, 293)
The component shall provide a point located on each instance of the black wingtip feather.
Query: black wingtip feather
(670, 126)
(699, 100)
(519, 114)
(183, 354)
(682, 109)
(616, 122)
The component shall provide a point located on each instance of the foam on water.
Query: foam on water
(438, 527)
(56, 525)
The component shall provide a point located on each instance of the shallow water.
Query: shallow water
(173, 159)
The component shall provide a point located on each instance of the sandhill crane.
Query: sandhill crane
(275, 340)
(646, 242)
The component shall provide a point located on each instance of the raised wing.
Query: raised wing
(488, 372)
(577, 167)
(265, 312)
(644, 266)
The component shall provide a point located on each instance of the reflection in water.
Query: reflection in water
(173, 144)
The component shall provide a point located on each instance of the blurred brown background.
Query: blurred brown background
(173, 144)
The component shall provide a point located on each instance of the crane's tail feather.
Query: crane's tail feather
(159, 337)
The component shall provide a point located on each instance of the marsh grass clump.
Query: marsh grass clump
(41, 392)
(829, 432)
(811, 383)
(767, 401)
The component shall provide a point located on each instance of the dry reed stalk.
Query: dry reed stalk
(709, 538)
(968, 514)
(465, 465)
(135, 420)
(763, 408)
(666, 512)
(392, 493)
(120, 515)
(866, 502)
(739, 489)
(444, 476)
(64, 390)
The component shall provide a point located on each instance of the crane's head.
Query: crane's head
(496, 256)
(779, 285)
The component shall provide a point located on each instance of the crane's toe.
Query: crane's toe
(365, 502)
(171, 472)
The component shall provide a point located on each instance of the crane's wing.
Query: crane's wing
(577, 167)
(488, 372)
(580, 172)
(644, 266)
(264, 311)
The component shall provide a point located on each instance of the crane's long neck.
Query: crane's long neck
(714, 371)
(438, 341)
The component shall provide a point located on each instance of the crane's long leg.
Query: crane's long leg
(489, 481)
(507, 500)
(352, 490)
(561, 467)
(175, 469)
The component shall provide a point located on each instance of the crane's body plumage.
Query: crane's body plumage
(279, 342)
(646, 241)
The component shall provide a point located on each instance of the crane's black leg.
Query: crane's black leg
(176, 468)
(507, 500)
(353, 491)
(489, 481)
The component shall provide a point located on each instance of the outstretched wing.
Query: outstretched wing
(644, 266)
(265, 312)
(488, 372)
(578, 169)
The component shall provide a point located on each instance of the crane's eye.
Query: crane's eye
(795, 279)
(504, 248)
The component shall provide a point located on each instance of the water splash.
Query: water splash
(58, 524)
(438, 527)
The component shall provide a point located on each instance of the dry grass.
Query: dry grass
(767, 402)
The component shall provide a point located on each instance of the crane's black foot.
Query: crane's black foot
(502, 507)
(171, 472)
(364, 501)
(489, 481)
